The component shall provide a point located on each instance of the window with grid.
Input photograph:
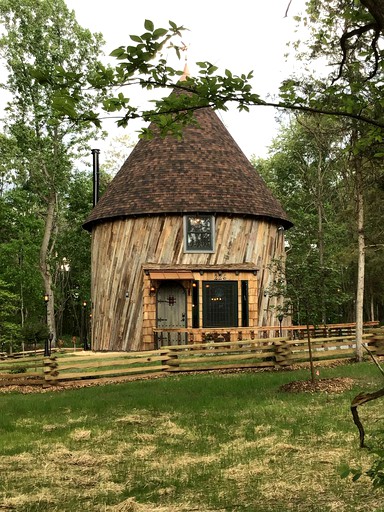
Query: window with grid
(199, 233)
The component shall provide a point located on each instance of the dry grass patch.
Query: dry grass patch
(131, 505)
(80, 434)
(241, 473)
(145, 451)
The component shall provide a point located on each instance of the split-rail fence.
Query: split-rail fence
(273, 353)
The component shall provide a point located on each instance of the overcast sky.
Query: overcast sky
(241, 36)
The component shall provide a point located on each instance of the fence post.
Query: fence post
(282, 353)
(171, 359)
(50, 370)
(378, 342)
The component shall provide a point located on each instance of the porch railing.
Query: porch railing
(184, 336)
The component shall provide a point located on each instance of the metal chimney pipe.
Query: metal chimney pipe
(96, 176)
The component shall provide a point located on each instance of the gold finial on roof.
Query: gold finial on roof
(186, 73)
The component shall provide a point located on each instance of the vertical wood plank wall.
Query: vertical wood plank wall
(124, 312)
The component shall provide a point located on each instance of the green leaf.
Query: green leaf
(356, 476)
(117, 52)
(159, 32)
(344, 470)
(40, 76)
(137, 39)
(148, 25)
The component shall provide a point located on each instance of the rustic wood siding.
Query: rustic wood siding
(124, 311)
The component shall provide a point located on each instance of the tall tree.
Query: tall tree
(303, 172)
(20, 230)
(355, 82)
(39, 38)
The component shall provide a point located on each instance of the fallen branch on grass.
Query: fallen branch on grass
(362, 398)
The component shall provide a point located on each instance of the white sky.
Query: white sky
(241, 36)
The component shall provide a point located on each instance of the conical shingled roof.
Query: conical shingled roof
(205, 172)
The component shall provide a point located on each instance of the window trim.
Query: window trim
(213, 234)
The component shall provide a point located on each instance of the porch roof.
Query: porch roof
(171, 274)
(186, 267)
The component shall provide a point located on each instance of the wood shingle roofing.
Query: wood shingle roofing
(205, 172)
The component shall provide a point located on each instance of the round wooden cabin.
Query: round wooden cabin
(182, 243)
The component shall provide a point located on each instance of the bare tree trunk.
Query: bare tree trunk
(361, 261)
(372, 309)
(311, 365)
(321, 258)
(45, 268)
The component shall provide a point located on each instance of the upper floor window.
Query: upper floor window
(199, 233)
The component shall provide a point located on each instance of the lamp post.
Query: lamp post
(83, 326)
(47, 351)
(280, 319)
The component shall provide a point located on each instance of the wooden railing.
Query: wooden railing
(182, 336)
(261, 353)
(278, 352)
(216, 355)
(104, 365)
(23, 372)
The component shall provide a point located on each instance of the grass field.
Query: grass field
(202, 442)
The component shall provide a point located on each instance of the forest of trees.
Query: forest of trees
(326, 164)
(309, 170)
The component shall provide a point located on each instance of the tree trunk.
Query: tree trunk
(376, 9)
(45, 268)
(311, 365)
(372, 309)
(320, 237)
(361, 260)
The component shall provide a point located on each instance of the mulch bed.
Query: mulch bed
(335, 385)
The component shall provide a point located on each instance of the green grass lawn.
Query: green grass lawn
(202, 442)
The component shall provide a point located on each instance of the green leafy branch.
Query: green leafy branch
(143, 63)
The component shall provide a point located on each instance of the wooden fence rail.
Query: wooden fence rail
(276, 353)
(23, 372)
(96, 365)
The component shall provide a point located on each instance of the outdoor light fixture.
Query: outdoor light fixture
(152, 289)
(83, 327)
(280, 319)
(46, 298)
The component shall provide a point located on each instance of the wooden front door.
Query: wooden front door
(171, 311)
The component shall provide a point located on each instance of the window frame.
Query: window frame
(212, 233)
